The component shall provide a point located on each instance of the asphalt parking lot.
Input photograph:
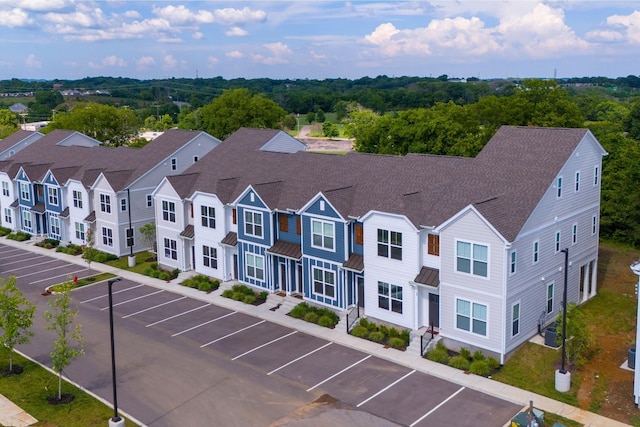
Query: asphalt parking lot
(303, 365)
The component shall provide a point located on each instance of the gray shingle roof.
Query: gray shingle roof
(16, 138)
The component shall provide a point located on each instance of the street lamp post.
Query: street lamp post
(117, 420)
(635, 267)
(563, 377)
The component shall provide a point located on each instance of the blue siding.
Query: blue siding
(308, 264)
(244, 248)
(257, 203)
(290, 235)
(23, 202)
(328, 211)
(266, 227)
(336, 256)
(356, 249)
(50, 207)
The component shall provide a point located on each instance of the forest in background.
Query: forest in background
(383, 115)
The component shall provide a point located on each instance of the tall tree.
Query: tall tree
(16, 317)
(69, 342)
(8, 123)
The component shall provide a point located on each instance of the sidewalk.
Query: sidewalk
(409, 359)
(11, 415)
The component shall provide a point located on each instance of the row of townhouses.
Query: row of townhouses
(470, 246)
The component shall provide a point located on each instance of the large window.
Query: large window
(472, 258)
(550, 298)
(433, 244)
(26, 220)
(25, 194)
(515, 319)
(80, 231)
(52, 194)
(324, 282)
(107, 236)
(54, 223)
(77, 199)
(390, 244)
(5, 188)
(322, 234)
(255, 266)
(105, 203)
(253, 223)
(210, 257)
(390, 297)
(7, 215)
(168, 211)
(471, 316)
(208, 214)
(170, 248)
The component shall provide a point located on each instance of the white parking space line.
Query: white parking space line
(436, 408)
(177, 315)
(232, 333)
(300, 358)
(30, 267)
(335, 375)
(31, 258)
(20, 252)
(205, 323)
(106, 295)
(59, 275)
(384, 389)
(133, 299)
(151, 308)
(263, 345)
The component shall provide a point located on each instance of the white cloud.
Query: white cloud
(180, 15)
(605, 36)
(236, 54)
(170, 61)
(14, 18)
(32, 62)
(145, 62)
(278, 50)
(114, 61)
(236, 32)
(229, 16)
(42, 5)
(212, 61)
(316, 55)
(631, 23)
(197, 35)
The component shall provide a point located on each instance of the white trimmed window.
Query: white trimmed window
(471, 316)
(5, 188)
(52, 194)
(577, 187)
(324, 282)
(594, 224)
(322, 234)
(25, 194)
(208, 214)
(559, 187)
(149, 201)
(253, 223)
(80, 231)
(77, 199)
(168, 211)
(210, 257)
(105, 203)
(390, 244)
(7, 215)
(596, 175)
(515, 319)
(26, 220)
(390, 297)
(107, 236)
(54, 222)
(550, 292)
(123, 205)
(472, 258)
(536, 252)
(512, 264)
(574, 234)
(174, 164)
(170, 248)
(557, 242)
(255, 266)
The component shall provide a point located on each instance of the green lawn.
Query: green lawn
(90, 280)
(31, 389)
(142, 262)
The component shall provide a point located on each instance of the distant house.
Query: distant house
(18, 108)
(469, 246)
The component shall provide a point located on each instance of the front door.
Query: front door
(434, 310)
(235, 266)
(298, 284)
(360, 285)
(283, 277)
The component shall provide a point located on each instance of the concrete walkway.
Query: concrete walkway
(411, 359)
(11, 415)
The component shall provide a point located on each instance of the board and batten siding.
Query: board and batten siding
(388, 270)
(470, 227)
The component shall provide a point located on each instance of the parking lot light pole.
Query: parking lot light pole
(117, 420)
(563, 376)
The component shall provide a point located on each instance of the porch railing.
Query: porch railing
(352, 317)
(425, 340)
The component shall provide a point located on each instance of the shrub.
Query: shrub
(406, 336)
(238, 296)
(201, 282)
(365, 323)
(249, 299)
(4, 231)
(48, 243)
(299, 311)
(205, 286)
(480, 367)
(263, 295)
(493, 363)
(459, 362)
(227, 293)
(376, 336)
(441, 346)
(393, 333)
(397, 343)
(438, 355)
(311, 317)
(326, 321)
(360, 331)
(20, 236)
(70, 249)
(478, 355)
(465, 352)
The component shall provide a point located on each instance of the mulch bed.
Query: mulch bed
(17, 370)
(64, 399)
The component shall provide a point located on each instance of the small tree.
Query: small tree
(16, 317)
(89, 250)
(69, 342)
(148, 232)
(579, 337)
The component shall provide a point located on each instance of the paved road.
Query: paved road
(184, 361)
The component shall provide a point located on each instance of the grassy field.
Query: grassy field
(34, 385)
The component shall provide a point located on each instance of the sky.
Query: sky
(73, 39)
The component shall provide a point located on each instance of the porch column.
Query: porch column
(416, 304)
(594, 277)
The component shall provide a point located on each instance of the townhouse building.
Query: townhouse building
(67, 183)
(471, 246)
(16, 142)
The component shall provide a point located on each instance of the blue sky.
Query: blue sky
(71, 39)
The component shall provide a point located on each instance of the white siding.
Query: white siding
(77, 214)
(170, 230)
(103, 219)
(208, 236)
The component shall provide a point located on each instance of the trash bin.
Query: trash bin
(550, 337)
(631, 362)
